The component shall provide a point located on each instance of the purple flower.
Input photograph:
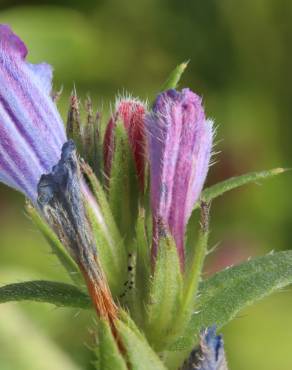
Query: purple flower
(31, 130)
(180, 144)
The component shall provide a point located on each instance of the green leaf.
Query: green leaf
(223, 295)
(108, 354)
(109, 242)
(191, 284)
(165, 294)
(234, 182)
(123, 184)
(140, 272)
(56, 246)
(174, 77)
(141, 355)
(59, 294)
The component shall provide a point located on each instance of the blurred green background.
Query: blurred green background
(240, 62)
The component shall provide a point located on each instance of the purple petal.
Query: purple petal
(11, 42)
(31, 130)
(180, 143)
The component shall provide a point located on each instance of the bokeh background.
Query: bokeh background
(240, 62)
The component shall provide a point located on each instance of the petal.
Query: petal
(11, 43)
(31, 130)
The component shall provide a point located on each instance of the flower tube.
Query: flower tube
(31, 130)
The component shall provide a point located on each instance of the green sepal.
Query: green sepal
(57, 247)
(140, 355)
(222, 296)
(91, 139)
(234, 182)
(74, 124)
(123, 184)
(165, 294)
(192, 279)
(140, 272)
(110, 246)
(59, 294)
(174, 77)
(107, 352)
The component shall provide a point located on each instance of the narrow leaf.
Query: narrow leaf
(223, 295)
(123, 184)
(59, 294)
(174, 77)
(165, 294)
(108, 354)
(141, 355)
(234, 182)
(56, 246)
(108, 239)
(192, 276)
(140, 272)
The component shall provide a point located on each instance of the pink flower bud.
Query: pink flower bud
(132, 113)
(180, 144)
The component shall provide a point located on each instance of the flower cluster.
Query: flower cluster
(170, 147)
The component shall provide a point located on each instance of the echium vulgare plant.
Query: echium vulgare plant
(114, 202)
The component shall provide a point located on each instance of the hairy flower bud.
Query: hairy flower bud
(179, 145)
(132, 114)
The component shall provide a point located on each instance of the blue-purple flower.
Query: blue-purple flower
(37, 160)
(31, 130)
(210, 355)
(180, 144)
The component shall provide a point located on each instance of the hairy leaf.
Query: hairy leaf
(141, 355)
(165, 294)
(57, 247)
(59, 294)
(234, 182)
(223, 295)
(108, 354)
(174, 77)
(108, 239)
(123, 184)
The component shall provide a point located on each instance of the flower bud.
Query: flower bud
(132, 113)
(179, 145)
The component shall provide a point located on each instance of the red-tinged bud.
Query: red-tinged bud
(132, 113)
